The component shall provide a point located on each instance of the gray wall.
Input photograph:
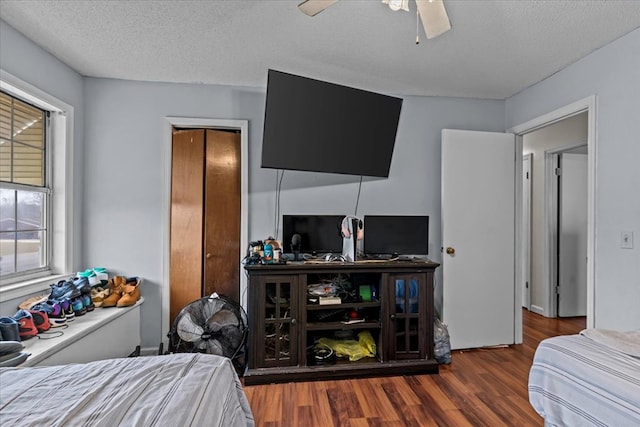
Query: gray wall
(125, 183)
(119, 163)
(611, 73)
(20, 57)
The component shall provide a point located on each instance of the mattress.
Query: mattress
(578, 381)
(172, 390)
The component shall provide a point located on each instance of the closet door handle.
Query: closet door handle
(208, 255)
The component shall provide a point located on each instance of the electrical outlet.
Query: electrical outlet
(626, 240)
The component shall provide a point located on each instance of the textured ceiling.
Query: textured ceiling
(494, 50)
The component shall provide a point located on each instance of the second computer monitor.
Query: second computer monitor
(396, 235)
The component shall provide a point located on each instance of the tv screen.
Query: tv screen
(312, 125)
(320, 234)
(396, 234)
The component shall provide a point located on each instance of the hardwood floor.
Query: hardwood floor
(482, 387)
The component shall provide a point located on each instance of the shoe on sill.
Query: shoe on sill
(130, 293)
(64, 289)
(26, 326)
(41, 320)
(116, 285)
(101, 273)
(78, 306)
(67, 308)
(9, 329)
(31, 301)
(87, 302)
(82, 284)
(98, 295)
(54, 311)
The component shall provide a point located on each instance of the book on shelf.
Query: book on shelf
(329, 300)
(352, 321)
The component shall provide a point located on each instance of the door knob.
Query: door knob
(451, 251)
(208, 255)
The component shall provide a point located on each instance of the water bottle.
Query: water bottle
(268, 253)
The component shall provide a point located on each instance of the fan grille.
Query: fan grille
(213, 325)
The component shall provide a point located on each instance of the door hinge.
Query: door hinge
(558, 290)
(526, 285)
(527, 175)
(558, 171)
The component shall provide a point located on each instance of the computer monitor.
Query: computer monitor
(319, 234)
(396, 235)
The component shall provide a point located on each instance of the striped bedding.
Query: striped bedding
(171, 390)
(576, 381)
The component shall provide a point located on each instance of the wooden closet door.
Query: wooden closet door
(222, 214)
(187, 205)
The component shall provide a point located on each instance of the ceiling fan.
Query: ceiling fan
(433, 15)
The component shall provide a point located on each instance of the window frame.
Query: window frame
(60, 212)
(45, 189)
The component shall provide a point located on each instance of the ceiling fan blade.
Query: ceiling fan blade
(314, 7)
(435, 20)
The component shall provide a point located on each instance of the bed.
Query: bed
(588, 379)
(184, 389)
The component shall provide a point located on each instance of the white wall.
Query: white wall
(565, 133)
(611, 73)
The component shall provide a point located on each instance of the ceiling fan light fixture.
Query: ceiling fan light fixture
(314, 7)
(396, 5)
(433, 15)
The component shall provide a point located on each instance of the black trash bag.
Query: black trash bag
(441, 341)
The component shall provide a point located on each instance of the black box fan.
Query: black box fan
(215, 325)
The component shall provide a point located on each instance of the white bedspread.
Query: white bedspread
(626, 342)
(170, 390)
(575, 381)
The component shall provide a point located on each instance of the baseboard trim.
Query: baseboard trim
(537, 309)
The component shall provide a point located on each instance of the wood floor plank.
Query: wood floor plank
(481, 387)
(374, 403)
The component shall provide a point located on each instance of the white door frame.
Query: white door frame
(551, 225)
(526, 232)
(587, 104)
(187, 122)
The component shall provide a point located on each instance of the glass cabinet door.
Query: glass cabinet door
(280, 325)
(407, 317)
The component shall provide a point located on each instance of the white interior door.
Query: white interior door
(478, 235)
(572, 235)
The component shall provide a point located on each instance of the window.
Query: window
(36, 191)
(24, 187)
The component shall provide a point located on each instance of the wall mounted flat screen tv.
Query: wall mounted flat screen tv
(320, 234)
(396, 235)
(312, 125)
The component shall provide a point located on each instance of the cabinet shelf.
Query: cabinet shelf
(332, 326)
(345, 305)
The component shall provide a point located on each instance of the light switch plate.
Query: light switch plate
(626, 239)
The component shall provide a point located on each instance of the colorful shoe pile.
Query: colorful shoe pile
(68, 299)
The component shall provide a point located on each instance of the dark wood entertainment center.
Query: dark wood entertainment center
(284, 321)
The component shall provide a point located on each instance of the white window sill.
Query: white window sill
(29, 287)
(99, 326)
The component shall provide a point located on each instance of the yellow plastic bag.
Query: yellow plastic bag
(354, 350)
